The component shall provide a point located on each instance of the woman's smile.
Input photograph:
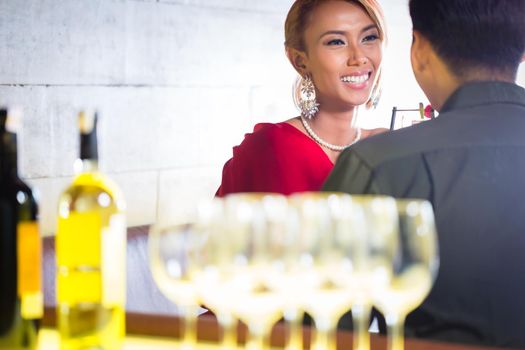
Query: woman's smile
(357, 80)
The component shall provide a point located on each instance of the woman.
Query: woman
(336, 47)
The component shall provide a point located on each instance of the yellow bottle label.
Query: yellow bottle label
(78, 258)
(29, 253)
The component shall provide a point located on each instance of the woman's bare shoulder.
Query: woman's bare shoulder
(294, 122)
(371, 132)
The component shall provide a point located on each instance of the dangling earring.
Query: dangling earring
(376, 93)
(374, 99)
(305, 97)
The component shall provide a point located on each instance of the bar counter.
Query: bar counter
(152, 322)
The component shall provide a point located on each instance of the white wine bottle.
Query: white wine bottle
(21, 299)
(91, 253)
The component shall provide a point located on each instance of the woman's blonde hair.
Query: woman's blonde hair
(297, 20)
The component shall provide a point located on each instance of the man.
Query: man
(469, 163)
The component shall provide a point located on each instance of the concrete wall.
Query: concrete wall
(177, 84)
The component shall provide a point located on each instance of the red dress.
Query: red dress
(275, 158)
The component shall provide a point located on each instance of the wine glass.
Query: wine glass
(214, 269)
(249, 219)
(327, 225)
(372, 256)
(290, 273)
(170, 248)
(414, 270)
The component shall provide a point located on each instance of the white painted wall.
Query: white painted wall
(177, 84)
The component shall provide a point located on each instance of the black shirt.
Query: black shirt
(470, 164)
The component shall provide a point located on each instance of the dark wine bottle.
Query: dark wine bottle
(21, 298)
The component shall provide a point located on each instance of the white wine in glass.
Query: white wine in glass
(414, 269)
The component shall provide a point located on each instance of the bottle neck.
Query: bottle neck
(89, 146)
(8, 156)
(86, 166)
(88, 161)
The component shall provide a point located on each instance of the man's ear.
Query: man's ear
(299, 60)
(419, 52)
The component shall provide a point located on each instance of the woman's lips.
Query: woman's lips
(357, 80)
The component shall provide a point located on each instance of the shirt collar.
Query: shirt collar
(483, 93)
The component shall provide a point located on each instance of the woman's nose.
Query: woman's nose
(357, 61)
(356, 57)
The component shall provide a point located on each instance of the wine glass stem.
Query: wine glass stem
(361, 321)
(295, 329)
(229, 331)
(396, 336)
(189, 328)
(325, 334)
(256, 334)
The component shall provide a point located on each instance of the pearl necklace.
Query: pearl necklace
(326, 144)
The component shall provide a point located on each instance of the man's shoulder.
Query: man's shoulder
(396, 144)
(387, 163)
(472, 126)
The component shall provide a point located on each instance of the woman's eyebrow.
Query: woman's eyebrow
(368, 27)
(330, 32)
(343, 32)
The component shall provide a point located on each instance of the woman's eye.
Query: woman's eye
(371, 37)
(335, 42)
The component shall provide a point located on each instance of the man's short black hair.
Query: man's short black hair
(470, 35)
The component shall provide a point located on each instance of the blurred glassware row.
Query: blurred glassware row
(259, 257)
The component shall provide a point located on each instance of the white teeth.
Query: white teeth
(355, 79)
